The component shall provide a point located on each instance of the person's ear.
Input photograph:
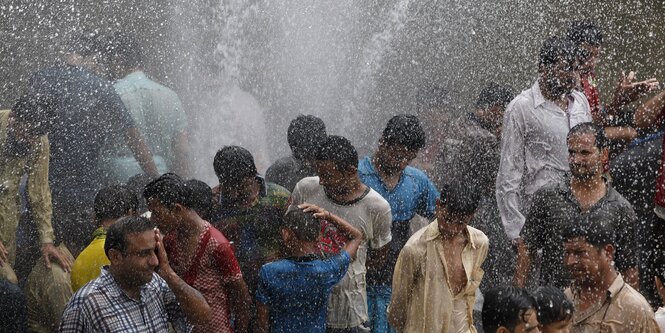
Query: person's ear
(604, 154)
(133, 212)
(609, 251)
(115, 256)
(286, 234)
(503, 330)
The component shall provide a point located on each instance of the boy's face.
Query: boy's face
(163, 216)
(529, 323)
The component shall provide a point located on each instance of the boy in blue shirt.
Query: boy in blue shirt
(292, 293)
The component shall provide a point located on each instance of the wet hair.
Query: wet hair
(595, 228)
(404, 130)
(557, 49)
(590, 128)
(114, 202)
(232, 164)
(116, 235)
(340, 151)
(585, 31)
(305, 134)
(167, 189)
(137, 184)
(494, 94)
(459, 199)
(552, 305)
(505, 306)
(305, 226)
(434, 97)
(124, 50)
(200, 197)
(85, 44)
(36, 111)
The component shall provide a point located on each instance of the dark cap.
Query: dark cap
(234, 163)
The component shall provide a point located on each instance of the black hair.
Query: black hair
(435, 97)
(585, 31)
(232, 164)
(116, 235)
(505, 306)
(659, 268)
(137, 184)
(167, 188)
(114, 202)
(557, 49)
(404, 130)
(590, 128)
(124, 50)
(85, 44)
(494, 94)
(459, 199)
(340, 151)
(595, 228)
(305, 134)
(35, 110)
(200, 197)
(552, 305)
(305, 226)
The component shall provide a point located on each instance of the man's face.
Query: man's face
(450, 225)
(560, 78)
(334, 181)
(590, 59)
(584, 158)
(136, 265)
(242, 194)
(394, 158)
(562, 326)
(165, 218)
(585, 263)
(529, 323)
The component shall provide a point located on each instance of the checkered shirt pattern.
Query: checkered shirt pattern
(216, 268)
(101, 306)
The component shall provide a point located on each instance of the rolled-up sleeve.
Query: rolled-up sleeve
(39, 193)
(511, 170)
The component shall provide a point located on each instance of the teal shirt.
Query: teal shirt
(159, 116)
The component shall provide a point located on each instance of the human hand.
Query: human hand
(163, 267)
(317, 211)
(629, 91)
(49, 251)
(4, 254)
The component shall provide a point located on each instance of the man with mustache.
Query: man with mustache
(585, 193)
(536, 122)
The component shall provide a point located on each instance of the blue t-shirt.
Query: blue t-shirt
(414, 194)
(297, 291)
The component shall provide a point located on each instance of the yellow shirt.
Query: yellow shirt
(88, 265)
(422, 301)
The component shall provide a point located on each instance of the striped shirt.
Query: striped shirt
(101, 306)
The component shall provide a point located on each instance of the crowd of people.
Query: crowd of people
(501, 219)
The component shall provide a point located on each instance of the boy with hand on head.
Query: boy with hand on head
(292, 293)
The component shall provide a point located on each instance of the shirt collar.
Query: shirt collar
(137, 75)
(538, 98)
(433, 233)
(616, 286)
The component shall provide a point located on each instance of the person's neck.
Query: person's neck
(594, 289)
(107, 223)
(192, 226)
(355, 188)
(132, 290)
(128, 71)
(588, 187)
(304, 249)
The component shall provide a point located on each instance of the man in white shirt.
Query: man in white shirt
(536, 123)
(338, 189)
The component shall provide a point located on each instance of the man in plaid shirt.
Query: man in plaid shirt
(138, 292)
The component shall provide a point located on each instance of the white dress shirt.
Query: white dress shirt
(534, 150)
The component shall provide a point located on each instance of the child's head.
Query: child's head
(555, 310)
(300, 227)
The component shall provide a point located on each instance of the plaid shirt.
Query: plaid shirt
(101, 306)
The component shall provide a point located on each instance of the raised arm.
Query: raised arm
(650, 112)
(354, 235)
(191, 301)
(628, 91)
